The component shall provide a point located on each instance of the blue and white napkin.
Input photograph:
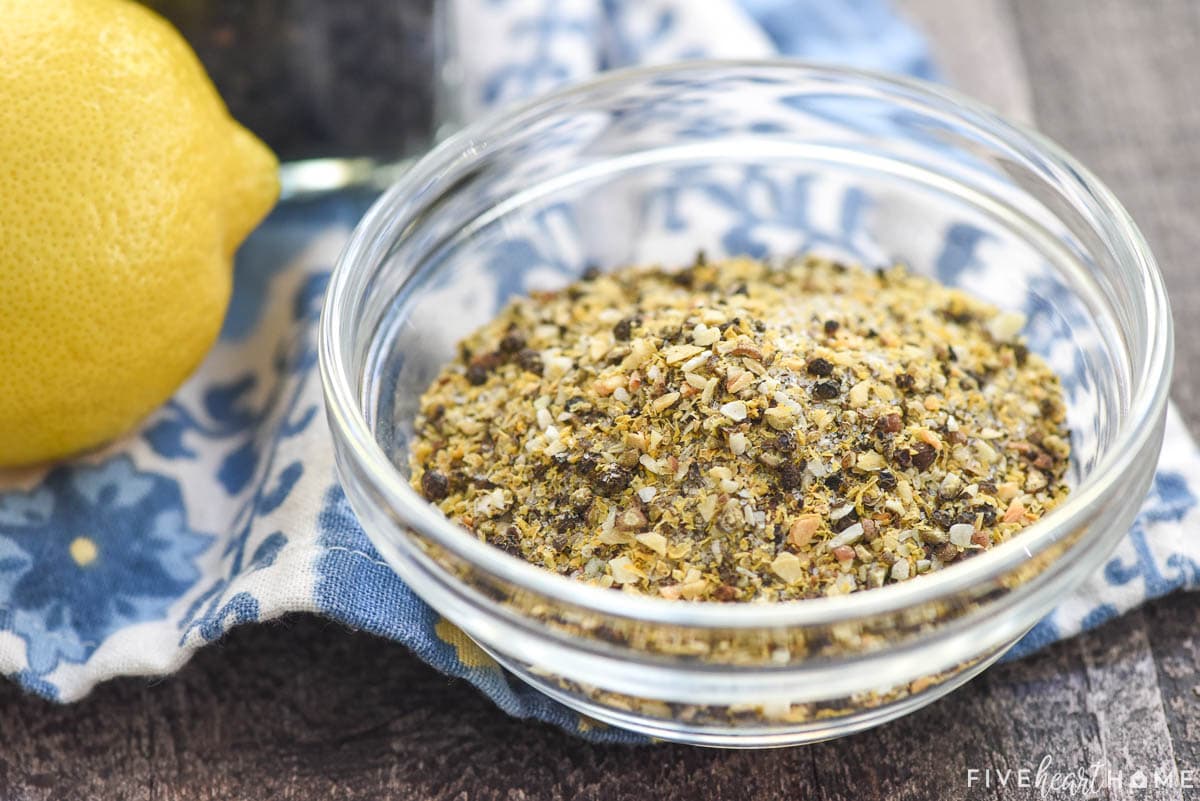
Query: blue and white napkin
(223, 509)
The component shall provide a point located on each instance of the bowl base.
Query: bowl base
(746, 735)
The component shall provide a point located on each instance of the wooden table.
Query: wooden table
(303, 709)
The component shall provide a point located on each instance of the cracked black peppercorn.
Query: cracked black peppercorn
(947, 552)
(531, 361)
(820, 367)
(477, 375)
(510, 542)
(587, 463)
(434, 485)
(844, 522)
(889, 424)
(612, 479)
(943, 518)
(624, 329)
(825, 390)
(966, 516)
(791, 476)
(831, 327)
(512, 342)
(923, 455)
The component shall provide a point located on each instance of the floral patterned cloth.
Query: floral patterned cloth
(222, 509)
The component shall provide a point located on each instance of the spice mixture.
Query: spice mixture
(740, 431)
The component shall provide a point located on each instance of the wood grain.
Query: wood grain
(1116, 82)
(302, 709)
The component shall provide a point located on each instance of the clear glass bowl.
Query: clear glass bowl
(772, 159)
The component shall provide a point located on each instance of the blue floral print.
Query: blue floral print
(90, 550)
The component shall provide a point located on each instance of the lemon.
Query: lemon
(125, 188)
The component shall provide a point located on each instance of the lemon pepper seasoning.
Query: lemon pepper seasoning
(742, 431)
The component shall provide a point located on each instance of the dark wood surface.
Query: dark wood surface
(303, 709)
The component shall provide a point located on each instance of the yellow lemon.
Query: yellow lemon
(125, 188)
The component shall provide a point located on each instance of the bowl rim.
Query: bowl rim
(1148, 396)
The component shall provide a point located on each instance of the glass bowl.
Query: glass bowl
(768, 159)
